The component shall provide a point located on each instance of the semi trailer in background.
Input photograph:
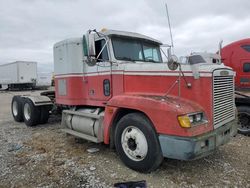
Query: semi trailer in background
(23, 75)
(113, 87)
(19, 74)
(44, 80)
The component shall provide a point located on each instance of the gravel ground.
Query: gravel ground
(43, 156)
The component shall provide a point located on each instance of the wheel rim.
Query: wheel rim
(27, 111)
(134, 143)
(244, 123)
(15, 108)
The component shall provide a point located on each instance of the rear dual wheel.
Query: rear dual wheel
(31, 113)
(34, 115)
(23, 109)
(137, 143)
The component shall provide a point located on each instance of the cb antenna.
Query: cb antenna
(169, 25)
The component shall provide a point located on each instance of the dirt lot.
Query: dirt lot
(43, 156)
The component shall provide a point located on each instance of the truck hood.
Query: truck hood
(208, 67)
(170, 103)
(181, 105)
(142, 67)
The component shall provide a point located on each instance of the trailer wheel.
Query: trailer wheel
(31, 113)
(244, 120)
(44, 114)
(137, 143)
(17, 108)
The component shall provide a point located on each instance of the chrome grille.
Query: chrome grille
(223, 98)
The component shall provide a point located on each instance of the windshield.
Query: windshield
(136, 50)
(195, 59)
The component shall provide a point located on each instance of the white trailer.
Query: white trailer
(19, 74)
(43, 80)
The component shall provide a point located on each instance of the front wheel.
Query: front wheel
(244, 120)
(137, 143)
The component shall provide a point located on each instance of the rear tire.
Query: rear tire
(137, 143)
(31, 113)
(244, 120)
(17, 108)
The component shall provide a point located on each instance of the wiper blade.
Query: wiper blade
(151, 60)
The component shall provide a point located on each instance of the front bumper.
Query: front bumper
(189, 148)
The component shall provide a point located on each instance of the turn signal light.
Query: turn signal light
(184, 121)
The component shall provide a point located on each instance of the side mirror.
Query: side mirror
(91, 48)
(173, 62)
(91, 45)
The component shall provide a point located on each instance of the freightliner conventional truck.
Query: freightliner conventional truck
(113, 87)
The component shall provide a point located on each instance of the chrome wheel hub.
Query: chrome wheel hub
(27, 111)
(15, 108)
(134, 143)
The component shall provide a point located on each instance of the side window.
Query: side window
(246, 47)
(246, 67)
(98, 47)
(151, 54)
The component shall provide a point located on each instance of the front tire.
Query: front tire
(31, 113)
(137, 143)
(17, 108)
(244, 120)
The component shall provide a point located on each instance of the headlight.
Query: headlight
(189, 120)
(198, 117)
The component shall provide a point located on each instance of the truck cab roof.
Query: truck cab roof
(110, 33)
(129, 34)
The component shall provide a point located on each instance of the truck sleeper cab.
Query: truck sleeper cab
(237, 56)
(120, 92)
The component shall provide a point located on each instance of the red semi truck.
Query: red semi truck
(237, 56)
(114, 88)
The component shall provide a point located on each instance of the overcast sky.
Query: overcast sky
(29, 28)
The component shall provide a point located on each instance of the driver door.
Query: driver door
(100, 81)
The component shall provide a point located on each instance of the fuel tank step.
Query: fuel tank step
(86, 123)
(81, 135)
